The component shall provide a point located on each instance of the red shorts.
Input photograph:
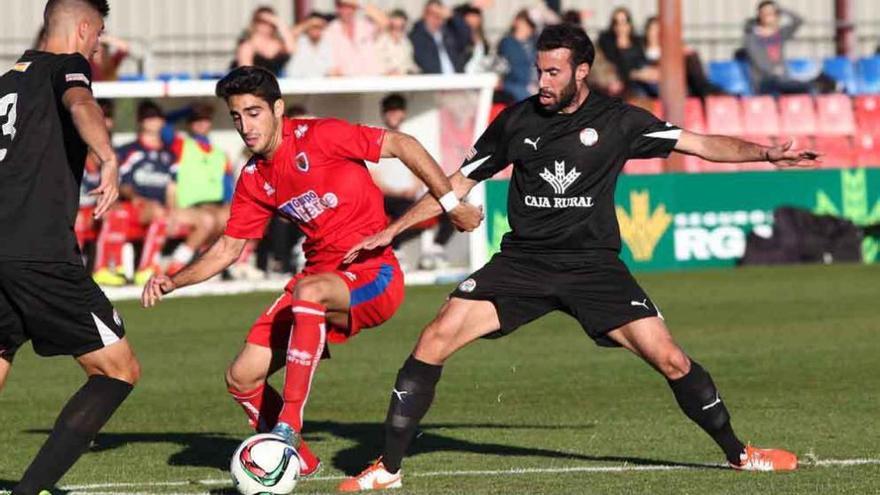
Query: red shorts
(376, 293)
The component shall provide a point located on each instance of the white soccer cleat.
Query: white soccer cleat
(375, 477)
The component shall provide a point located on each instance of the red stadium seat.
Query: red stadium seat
(868, 113)
(835, 115)
(837, 151)
(644, 167)
(868, 150)
(723, 115)
(760, 116)
(797, 115)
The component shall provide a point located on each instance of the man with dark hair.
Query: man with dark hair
(49, 120)
(567, 145)
(311, 171)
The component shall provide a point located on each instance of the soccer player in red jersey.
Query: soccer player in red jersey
(310, 171)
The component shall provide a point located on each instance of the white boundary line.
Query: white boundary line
(86, 489)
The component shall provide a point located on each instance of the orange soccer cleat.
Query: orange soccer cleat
(755, 459)
(375, 477)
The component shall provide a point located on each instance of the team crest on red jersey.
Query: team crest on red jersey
(302, 161)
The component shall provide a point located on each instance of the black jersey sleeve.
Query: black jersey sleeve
(649, 137)
(489, 155)
(73, 71)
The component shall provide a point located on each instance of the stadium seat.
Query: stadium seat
(842, 70)
(731, 76)
(837, 151)
(174, 76)
(208, 75)
(644, 167)
(835, 115)
(802, 69)
(694, 116)
(868, 150)
(760, 116)
(132, 77)
(869, 74)
(797, 115)
(868, 113)
(723, 115)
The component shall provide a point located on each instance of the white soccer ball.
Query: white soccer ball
(264, 464)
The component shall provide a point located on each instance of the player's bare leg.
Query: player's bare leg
(696, 393)
(5, 368)
(203, 230)
(112, 372)
(246, 382)
(458, 323)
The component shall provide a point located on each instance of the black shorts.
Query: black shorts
(598, 291)
(55, 305)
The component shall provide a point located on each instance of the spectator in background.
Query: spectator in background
(353, 39)
(439, 46)
(698, 84)
(476, 50)
(148, 171)
(518, 48)
(105, 62)
(394, 47)
(401, 189)
(267, 43)
(312, 55)
(764, 44)
(622, 47)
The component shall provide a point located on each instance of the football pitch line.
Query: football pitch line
(100, 488)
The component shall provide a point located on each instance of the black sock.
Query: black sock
(698, 398)
(410, 400)
(77, 425)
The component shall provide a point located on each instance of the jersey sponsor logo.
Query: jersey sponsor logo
(468, 285)
(641, 228)
(533, 144)
(545, 202)
(77, 77)
(589, 136)
(301, 131)
(302, 161)
(304, 208)
(561, 180)
(302, 358)
(22, 66)
(330, 200)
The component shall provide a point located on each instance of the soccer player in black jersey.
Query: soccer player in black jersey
(49, 121)
(567, 146)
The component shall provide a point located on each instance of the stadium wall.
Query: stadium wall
(684, 221)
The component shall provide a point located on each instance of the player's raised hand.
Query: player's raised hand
(108, 190)
(156, 287)
(370, 243)
(784, 156)
(466, 217)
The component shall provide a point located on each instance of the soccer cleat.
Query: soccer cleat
(142, 276)
(109, 278)
(309, 463)
(755, 459)
(375, 477)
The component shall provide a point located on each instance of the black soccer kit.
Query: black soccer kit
(46, 295)
(562, 252)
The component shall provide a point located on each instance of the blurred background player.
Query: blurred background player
(311, 171)
(50, 121)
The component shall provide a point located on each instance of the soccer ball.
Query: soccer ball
(264, 464)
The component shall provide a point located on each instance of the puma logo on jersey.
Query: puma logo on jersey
(533, 144)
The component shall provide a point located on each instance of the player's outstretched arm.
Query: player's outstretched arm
(88, 118)
(410, 151)
(730, 149)
(425, 208)
(224, 252)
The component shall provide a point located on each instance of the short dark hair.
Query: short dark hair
(148, 109)
(766, 3)
(201, 111)
(250, 80)
(571, 37)
(100, 6)
(394, 101)
(399, 13)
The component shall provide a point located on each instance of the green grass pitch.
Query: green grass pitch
(794, 351)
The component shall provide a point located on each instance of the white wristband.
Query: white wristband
(448, 201)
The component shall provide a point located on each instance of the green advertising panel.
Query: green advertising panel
(679, 221)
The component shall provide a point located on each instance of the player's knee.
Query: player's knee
(674, 364)
(127, 370)
(240, 382)
(436, 340)
(311, 289)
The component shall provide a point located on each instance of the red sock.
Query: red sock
(304, 351)
(153, 243)
(111, 239)
(261, 405)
